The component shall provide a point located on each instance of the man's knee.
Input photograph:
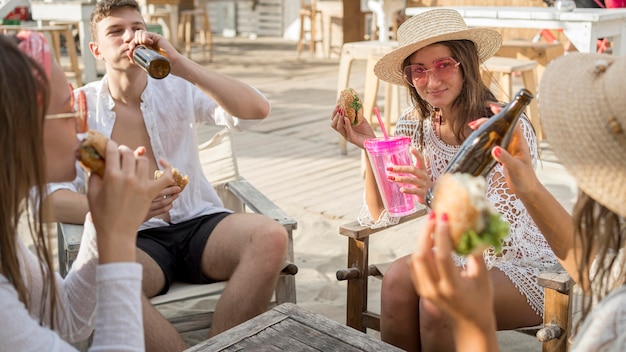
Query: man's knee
(271, 240)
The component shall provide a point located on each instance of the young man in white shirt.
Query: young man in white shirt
(189, 235)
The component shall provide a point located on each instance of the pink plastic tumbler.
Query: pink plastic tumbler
(382, 154)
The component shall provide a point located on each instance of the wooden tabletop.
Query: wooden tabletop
(288, 327)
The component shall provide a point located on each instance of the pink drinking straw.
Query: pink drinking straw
(380, 122)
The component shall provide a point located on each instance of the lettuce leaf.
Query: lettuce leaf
(497, 230)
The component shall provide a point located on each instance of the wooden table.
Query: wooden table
(582, 26)
(288, 327)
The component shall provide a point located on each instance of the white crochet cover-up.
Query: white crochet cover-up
(525, 251)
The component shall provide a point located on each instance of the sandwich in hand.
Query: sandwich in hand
(474, 223)
(352, 106)
(92, 152)
(179, 180)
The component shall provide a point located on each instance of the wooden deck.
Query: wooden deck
(293, 156)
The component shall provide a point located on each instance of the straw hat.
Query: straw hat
(583, 111)
(431, 27)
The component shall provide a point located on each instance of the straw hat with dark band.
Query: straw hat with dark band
(583, 111)
(432, 27)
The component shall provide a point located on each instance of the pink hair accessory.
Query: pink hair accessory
(35, 45)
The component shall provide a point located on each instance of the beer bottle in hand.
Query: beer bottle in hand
(157, 65)
(474, 156)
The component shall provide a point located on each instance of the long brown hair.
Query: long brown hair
(600, 235)
(24, 97)
(473, 101)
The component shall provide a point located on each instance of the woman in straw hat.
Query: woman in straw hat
(39, 309)
(584, 113)
(438, 60)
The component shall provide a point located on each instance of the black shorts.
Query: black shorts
(178, 248)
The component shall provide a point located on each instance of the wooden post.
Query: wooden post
(353, 21)
(357, 287)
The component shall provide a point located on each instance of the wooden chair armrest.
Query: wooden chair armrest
(259, 203)
(556, 278)
(355, 230)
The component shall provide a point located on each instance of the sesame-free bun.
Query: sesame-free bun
(352, 105)
(92, 152)
(180, 180)
(462, 198)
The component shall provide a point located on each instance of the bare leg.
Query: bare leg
(399, 311)
(248, 250)
(510, 306)
(159, 334)
(417, 325)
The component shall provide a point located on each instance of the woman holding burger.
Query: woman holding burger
(587, 129)
(438, 60)
(39, 309)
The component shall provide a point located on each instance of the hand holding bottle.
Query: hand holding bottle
(515, 160)
(474, 156)
(151, 52)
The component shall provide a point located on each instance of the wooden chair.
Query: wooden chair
(220, 166)
(357, 314)
(557, 287)
(558, 309)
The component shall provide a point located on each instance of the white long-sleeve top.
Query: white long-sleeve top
(107, 297)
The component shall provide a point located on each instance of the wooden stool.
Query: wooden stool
(56, 29)
(360, 51)
(392, 102)
(392, 96)
(541, 52)
(162, 16)
(309, 11)
(187, 20)
(504, 67)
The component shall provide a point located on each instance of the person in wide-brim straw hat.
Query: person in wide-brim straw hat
(438, 60)
(584, 113)
(429, 28)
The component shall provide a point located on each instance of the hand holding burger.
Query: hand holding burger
(92, 152)
(474, 223)
(352, 106)
(179, 180)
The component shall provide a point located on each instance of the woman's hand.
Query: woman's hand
(515, 160)
(414, 179)
(120, 201)
(353, 134)
(466, 295)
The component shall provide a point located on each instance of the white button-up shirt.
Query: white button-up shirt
(171, 107)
